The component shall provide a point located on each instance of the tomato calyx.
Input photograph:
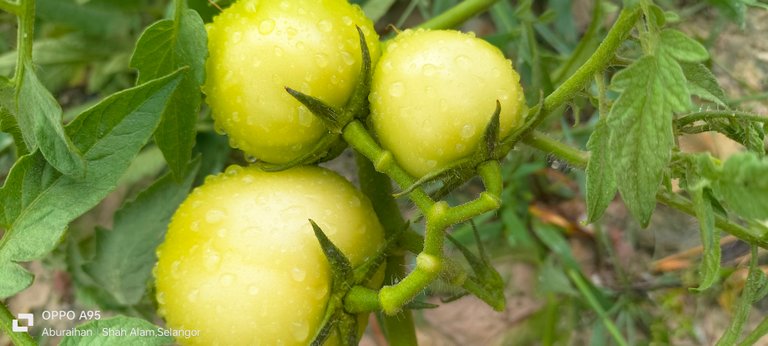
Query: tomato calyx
(345, 280)
(333, 118)
(466, 168)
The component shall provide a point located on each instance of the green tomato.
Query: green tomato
(434, 93)
(241, 264)
(259, 47)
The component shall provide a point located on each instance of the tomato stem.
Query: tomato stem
(458, 14)
(10, 7)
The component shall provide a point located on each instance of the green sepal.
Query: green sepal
(488, 284)
(357, 106)
(369, 268)
(340, 265)
(328, 148)
(328, 115)
(330, 320)
(491, 135)
(347, 328)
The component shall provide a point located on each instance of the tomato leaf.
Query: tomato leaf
(39, 118)
(710, 239)
(375, 9)
(163, 48)
(37, 202)
(125, 256)
(702, 83)
(640, 121)
(601, 177)
(93, 333)
(744, 187)
(753, 290)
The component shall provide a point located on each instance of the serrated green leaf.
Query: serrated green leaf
(39, 118)
(641, 119)
(94, 336)
(755, 282)
(125, 256)
(744, 186)
(601, 178)
(682, 47)
(38, 202)
(13, 278)
(163, 48)
(702, 83)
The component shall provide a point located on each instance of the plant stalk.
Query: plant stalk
(458, 14)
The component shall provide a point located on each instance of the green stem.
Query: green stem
(585, 41)
(597, 62)
(399, 329)
(457, 14)
(25, 36)
(718, 114)
(10, 7)
(580, 158)
(6, 321)
(595, 305)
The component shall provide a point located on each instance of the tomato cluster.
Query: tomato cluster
(240, 262)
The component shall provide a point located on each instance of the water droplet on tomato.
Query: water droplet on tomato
(192, 296)
(227, 279)
(348, 59)
(161, 298)
(305, 116)
(211, 260)
(214, 216)
(321, 292)
(325, 25)
(460, 147)
(429, 70)
(266, 26)
(253, 290)
(222, 233)
(321, 59)
(467, 131)
(462, 60)
(298, 274)
(175, 268)
(237, 37)
(278, 51)
(300, 330)
(396, 89)
(346, 20)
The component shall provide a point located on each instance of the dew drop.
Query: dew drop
(266, 26)
(175, 268)
(250, 6)
(222, 233)
(298, 274)
(467, 131)
(431, 163)
(460, 147)
(300, 331)
(321, 60)
(346, 20)
(305, 116)
(285, 5)
(161, 311)
(278, 51)
(253, 290)
(462, 60)
(211, 260)
(192, 296)
(194, 226)
(429, 70)
(348, 59)
(247, 179)
(251, 159)
(227, 279)
(354, 202)
(161, 298)
(321, 292)
(233, 170)
(325, 26)
(396, 89)
(214, 216)
(237, 37)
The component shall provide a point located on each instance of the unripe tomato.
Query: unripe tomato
(241, 264)
(434, 93)
(259, 47)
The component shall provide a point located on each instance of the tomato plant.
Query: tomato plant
(257, 48)
(503, 146)
(241, 245)
(433, 94)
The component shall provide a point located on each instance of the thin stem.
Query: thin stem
(10, 7)
(399, 329)
(580, 158)
(597, 62)
(589, 35)
(26, 34)
(595, 305)
(718, 114)
(6, 321)
(457, 14)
